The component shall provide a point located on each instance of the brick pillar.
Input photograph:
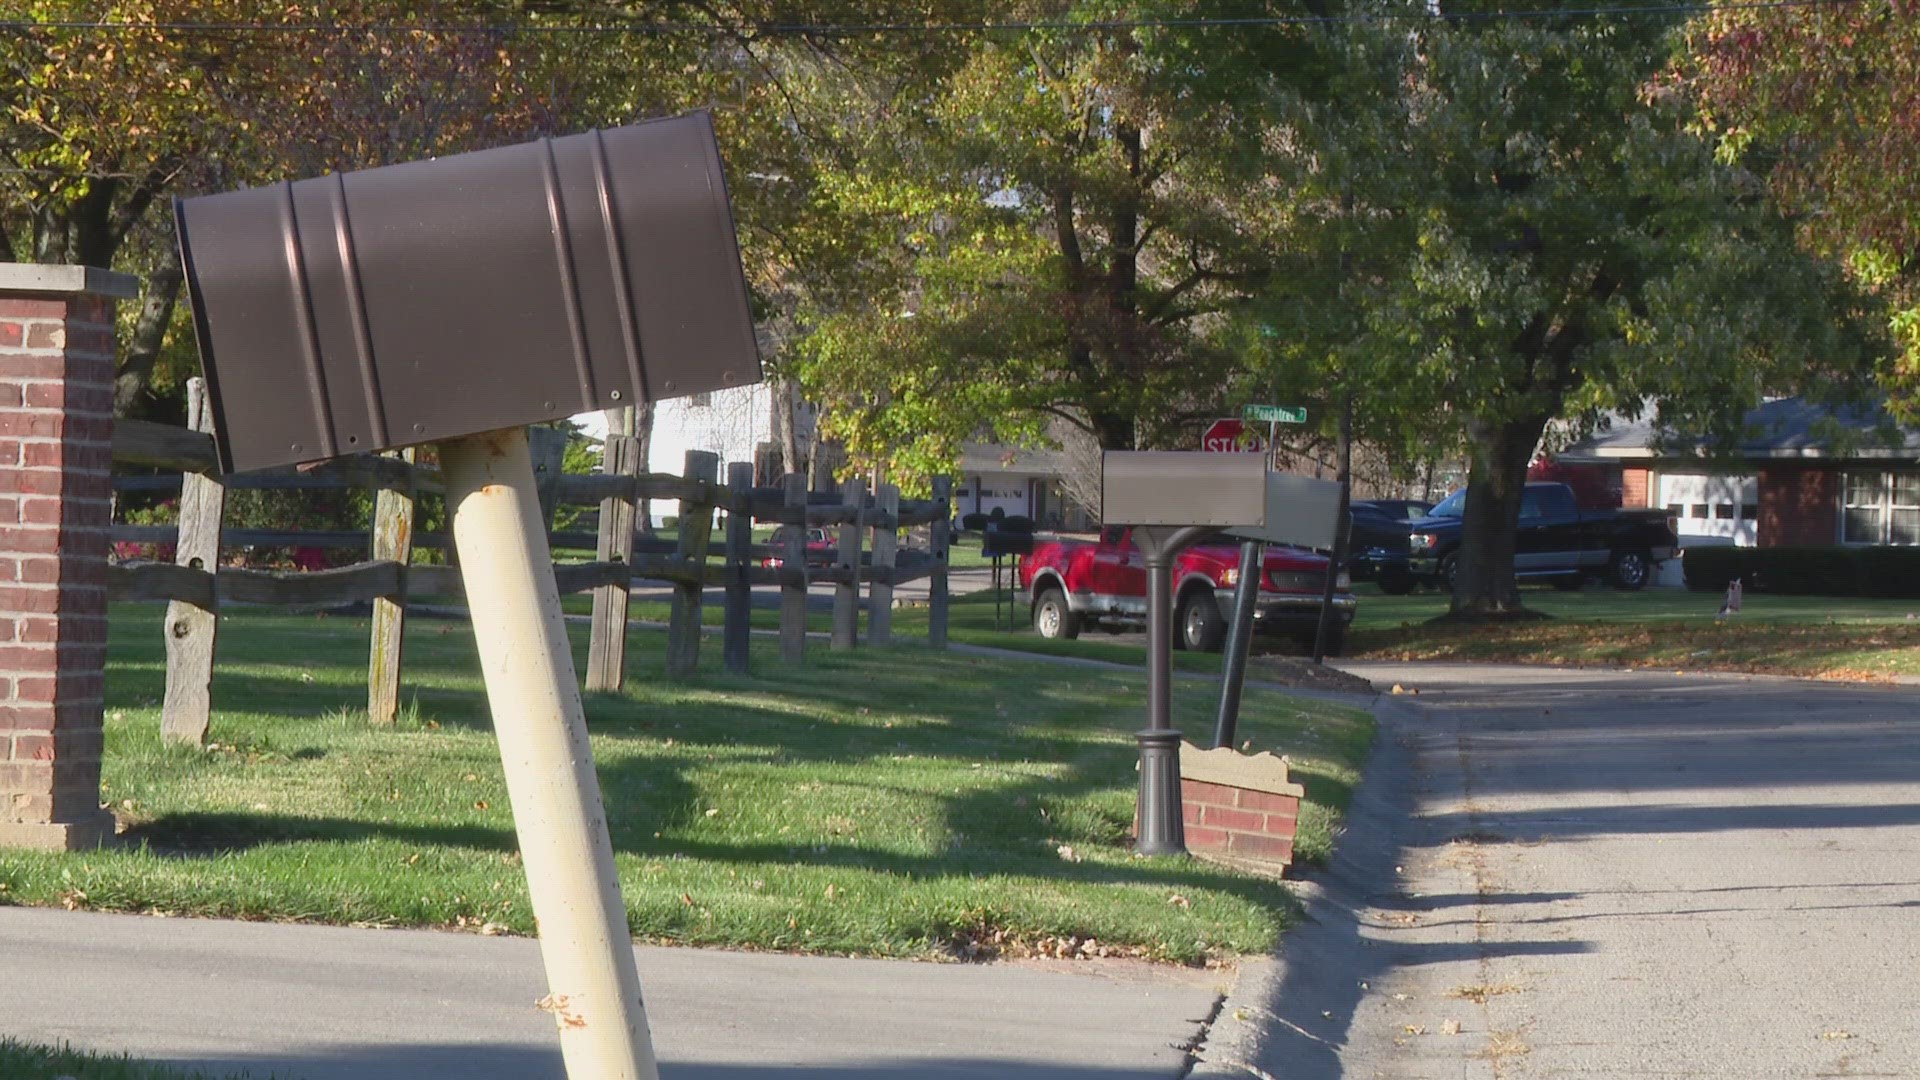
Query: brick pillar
(56, 487)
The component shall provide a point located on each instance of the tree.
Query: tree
(1048, 225)
(107, 110)
(1825, 101)
(1529, 232)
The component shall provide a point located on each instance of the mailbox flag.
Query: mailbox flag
(434, 299)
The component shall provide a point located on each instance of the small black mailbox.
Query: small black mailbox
(1011, 535)
(424, 301)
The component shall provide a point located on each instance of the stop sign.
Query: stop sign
(1227, 436)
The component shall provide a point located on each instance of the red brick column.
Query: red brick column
(56, 490)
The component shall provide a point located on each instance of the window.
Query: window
(700, 400)
(1676, 510)
(1881, 508)
(1699, 511)
(1750, 511)
(1723, 511)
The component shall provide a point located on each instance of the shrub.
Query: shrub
(1891, 572)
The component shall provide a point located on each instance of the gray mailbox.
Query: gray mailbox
(1300, 510)
(1172, 499)
(469, 293)
(1181, 487)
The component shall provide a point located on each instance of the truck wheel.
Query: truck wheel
(1631, 569)
(1396, 584)
(1201, 628)
(1449, 572)
(1053, 618)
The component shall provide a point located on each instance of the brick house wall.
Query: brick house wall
(1799, 506)
(56, 490)
(1635, 487)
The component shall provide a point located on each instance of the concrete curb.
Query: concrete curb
(1298, 1005)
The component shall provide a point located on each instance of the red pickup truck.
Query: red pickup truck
(1073, 584)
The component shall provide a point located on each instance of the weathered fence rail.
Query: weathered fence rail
(196, 584)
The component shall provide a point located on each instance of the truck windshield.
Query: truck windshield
(1453, 505)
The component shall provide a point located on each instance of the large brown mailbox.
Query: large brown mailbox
(434, 299)
(455, 301)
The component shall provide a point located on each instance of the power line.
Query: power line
(661, 29)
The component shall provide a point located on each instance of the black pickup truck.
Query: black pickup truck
(1556, 541)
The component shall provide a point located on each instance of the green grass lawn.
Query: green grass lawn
(23, 1061)
(970, 619)
(895, 802)
(1825, 637)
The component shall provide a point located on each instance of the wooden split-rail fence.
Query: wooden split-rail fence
(196, 584)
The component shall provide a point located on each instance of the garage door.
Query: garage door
(1709, 510)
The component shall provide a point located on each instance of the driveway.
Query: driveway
(1608, 874)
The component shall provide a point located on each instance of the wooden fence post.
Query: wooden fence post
(696, 530)
(607, 645)
(392, 541)
(548, 446)
(886, 545)
(846, 592)
(940, 544)
(737, 631)
(190, 630)
(793, 584)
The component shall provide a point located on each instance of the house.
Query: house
(1807, 474)
(1018, 482)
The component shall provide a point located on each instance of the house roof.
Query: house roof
(978, 458)
(1788, 428)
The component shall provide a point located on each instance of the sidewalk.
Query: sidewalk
(331, 1003)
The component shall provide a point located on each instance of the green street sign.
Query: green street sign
(1274, 414)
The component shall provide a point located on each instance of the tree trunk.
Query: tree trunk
(643, 436)
(1485, 587)
(149, 332)
(786, 403)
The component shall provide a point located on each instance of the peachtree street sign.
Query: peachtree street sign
(1274, 414)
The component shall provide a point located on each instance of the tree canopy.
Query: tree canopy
(1824, 101)
(1537, 235)
(1051, 226)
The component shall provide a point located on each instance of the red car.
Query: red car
(821, 551)
(1073, 584)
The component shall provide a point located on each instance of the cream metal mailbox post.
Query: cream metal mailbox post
(1173, 499)
(455, 301)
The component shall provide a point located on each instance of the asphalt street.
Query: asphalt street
(1579, 874)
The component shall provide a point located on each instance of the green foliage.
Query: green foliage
(1823, 102)
(1527, 231)
(1050, 226)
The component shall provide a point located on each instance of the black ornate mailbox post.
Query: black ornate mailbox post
(456, 300)
(1173, 499)
(1302, 511)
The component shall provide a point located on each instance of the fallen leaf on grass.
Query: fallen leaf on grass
(1179, 901)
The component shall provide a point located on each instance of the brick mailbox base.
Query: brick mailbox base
(56, 491)
(1238, 806)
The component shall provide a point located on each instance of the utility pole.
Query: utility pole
(1343, 529)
